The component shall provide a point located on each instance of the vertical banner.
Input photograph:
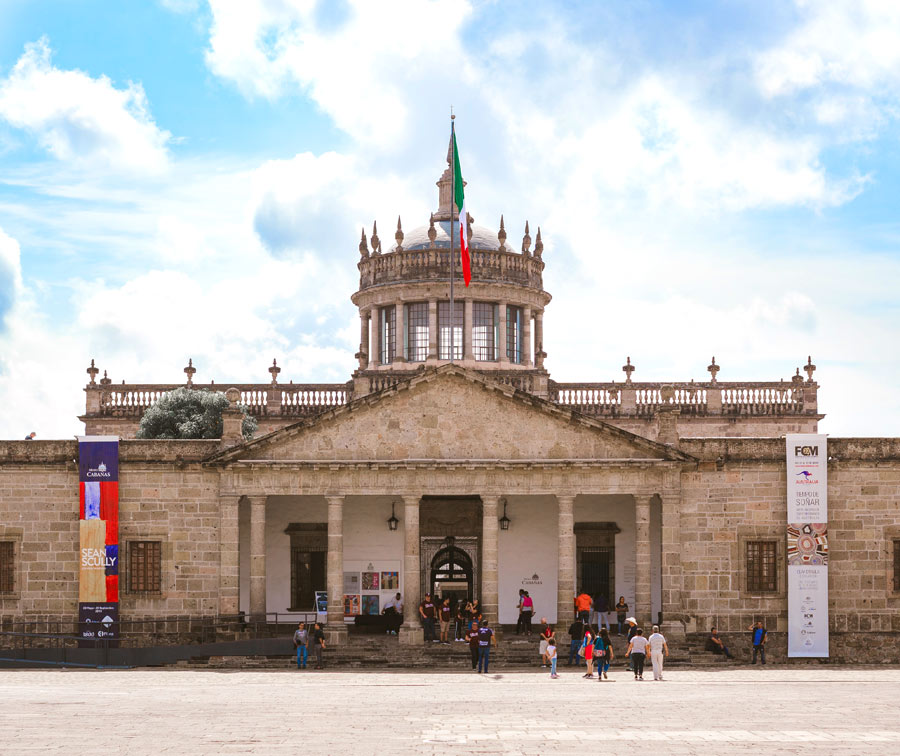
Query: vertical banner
(98, 576)
(807, 544)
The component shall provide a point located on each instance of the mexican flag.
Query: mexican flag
(459, 197)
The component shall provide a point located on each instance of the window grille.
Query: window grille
(897, 566)
(444, 332)
(514, 334)
(144, 567)
(762, 567)
(417, 331)
(387, 340)
(484, 331)
(7, 567)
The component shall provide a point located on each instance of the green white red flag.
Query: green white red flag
(459, 197)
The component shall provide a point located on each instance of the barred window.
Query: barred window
(144, 567)
(897, 566)
(7, 567)
(387, 330)
(417, 331)
(484, 331)
(444, 331)
(762, 567)
(514, 334)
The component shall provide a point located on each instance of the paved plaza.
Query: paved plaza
(810, 710)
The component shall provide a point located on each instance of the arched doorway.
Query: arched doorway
(452, 573)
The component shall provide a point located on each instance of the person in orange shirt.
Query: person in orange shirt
(583, 607)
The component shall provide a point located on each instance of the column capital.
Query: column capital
(410, 500)
(334, 500)
(566, 501)
(257, 499)
(494, 499)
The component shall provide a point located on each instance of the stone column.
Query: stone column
(539, 339)
(229, 555)
(526, 336)
(432, 329)
(642, 596)
(501, 333)
(671, 574)
(399, 333)
(258, 557)
(490, 558)
(565, 580)
(365, 349)
(336, 632)
(468, 354)
(411, 632)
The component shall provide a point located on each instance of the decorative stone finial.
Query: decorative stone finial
(363, 245)
(501, 235)
(627, 368)
(376, 242)
(399, 235)
(432, 231)
(105, 380)
(538, 244)
(526, 241)
(189, 371)
(713, 370)
(92, 371)
(810, 368)
(797, 378)
(274, 371)
(233, 396)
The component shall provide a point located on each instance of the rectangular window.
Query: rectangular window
(762, 564)
(484, 331)
(7, 567)
(514, 334)
(417, 331)
(144, 566)
(387, 334)
(897, 566)
(444, 331)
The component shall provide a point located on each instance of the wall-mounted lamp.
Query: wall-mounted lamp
(393, 522)
(504, 521)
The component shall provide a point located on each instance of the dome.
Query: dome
(482, 238)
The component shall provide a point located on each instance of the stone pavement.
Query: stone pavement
(810, 710)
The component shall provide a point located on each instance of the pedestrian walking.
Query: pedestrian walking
(658, 650)
(637, 651)
(427, 612)
(393, 614)
(583, 607)
(553, 657)
(603, 654)
(476, 614)
(30, 436)
(301, 638)
(621, 614)
(576, 635)
(587, 651)
(486, 639)
(520, 622)
(760, 634)
(471, 638)
(715, 644)
(318, 641)
(602, 606)
(631, 624)
(527, 612)
(546, 636)
(444, 616)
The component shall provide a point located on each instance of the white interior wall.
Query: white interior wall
(281, 511)
(369, 546)
(530, 547)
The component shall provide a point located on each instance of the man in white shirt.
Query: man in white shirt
(393, 611)
(658, 647)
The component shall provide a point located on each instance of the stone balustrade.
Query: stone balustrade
(410, 265)
(708, 398)
(131, 400)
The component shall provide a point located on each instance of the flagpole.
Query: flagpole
(452, 239)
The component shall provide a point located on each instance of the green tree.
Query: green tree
(190, 413)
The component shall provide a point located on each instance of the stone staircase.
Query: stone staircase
(385, 652)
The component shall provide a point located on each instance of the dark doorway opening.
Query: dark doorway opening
(452, 574)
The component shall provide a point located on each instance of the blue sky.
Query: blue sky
(188, 179)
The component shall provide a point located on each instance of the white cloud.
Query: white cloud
(10, 275)
(82, 120)
(358, 67)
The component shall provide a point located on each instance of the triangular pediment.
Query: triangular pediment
(450, 413)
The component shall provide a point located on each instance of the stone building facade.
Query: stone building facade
(472, 476)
